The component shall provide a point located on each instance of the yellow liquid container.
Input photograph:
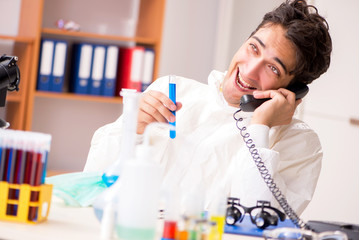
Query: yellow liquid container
(24, 203)
(217, 231)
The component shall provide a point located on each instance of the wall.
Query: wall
(11, 12)
(71, 125)
(189, 38)
(328, 108)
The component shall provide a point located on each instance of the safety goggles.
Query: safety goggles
(262, 215)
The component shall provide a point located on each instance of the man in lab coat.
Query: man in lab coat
(292, 44)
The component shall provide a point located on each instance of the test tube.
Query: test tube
(172, 96)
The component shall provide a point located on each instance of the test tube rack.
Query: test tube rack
(25, 203)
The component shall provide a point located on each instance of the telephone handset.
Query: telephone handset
(249, 103)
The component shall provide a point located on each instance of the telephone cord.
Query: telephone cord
(267, 176)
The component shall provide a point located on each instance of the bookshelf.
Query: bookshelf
(34, 24)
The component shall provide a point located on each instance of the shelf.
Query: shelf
(80, 97)
(58, 33)
(36, 21)
(13, 97)
(18, 39)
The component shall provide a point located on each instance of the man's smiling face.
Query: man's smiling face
(263, 62)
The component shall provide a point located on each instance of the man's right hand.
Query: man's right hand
(155, 106)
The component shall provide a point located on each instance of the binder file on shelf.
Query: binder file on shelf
(58, 70)
(52, 65)
(147, 73)
(110, 71)
(45, 65)
(81, 72)
(130, 69)
(98, 63)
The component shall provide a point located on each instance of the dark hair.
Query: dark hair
(309, 32)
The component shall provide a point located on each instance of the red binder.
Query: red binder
(130, 67)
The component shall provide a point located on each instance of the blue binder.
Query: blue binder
(45, 64)
(97, 72)
(59, 65)
(110, 72)
(82, 65)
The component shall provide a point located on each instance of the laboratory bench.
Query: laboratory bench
(68, 223)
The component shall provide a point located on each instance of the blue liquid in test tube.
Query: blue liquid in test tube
(172, 96)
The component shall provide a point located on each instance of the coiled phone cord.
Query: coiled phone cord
(267, 176)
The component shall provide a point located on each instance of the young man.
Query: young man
(291, 44)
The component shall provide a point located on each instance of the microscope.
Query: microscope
(9, 80)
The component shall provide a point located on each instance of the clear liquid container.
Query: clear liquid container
(128, 143)
(138, 207)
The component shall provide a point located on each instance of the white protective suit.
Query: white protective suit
(209, 150)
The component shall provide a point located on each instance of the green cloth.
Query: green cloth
(79, 189)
